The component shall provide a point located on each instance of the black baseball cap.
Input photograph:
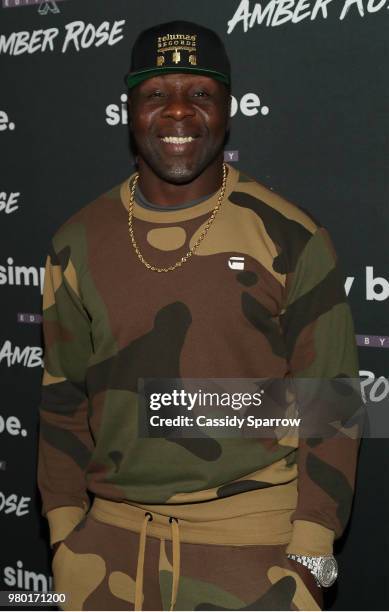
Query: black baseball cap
(178, 46)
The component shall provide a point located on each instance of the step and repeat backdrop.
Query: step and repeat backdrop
(309, 121)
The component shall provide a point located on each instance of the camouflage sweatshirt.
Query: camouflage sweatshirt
(108, 320)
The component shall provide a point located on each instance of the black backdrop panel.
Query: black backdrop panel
(310, 121)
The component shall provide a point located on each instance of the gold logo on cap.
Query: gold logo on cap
(174, 44)
(176, 57)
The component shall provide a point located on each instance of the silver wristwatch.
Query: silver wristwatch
(324, 569)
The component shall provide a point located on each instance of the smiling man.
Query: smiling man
(189, 269)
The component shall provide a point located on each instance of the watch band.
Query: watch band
(323, 568)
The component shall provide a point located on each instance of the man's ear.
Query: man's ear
(129, 109)
(229, 111)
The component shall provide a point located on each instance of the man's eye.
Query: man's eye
(156, 94)
(201, 93)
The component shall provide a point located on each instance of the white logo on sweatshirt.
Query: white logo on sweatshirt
(236, 263)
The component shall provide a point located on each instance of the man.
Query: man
(189, 270)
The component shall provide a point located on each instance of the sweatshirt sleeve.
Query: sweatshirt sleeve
(321, 346)
(65, 441)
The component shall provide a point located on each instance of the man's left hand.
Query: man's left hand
(308, 578)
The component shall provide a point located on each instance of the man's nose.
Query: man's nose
(178, 107)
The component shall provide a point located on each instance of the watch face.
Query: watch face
(327, 571)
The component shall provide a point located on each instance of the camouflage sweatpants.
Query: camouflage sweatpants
(96, 566)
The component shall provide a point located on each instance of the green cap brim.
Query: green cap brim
(135, 78)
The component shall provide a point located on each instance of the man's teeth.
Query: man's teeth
(177, 139)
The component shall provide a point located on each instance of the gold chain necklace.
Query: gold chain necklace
(195, 246)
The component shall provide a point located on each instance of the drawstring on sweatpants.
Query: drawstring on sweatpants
(176, 559)
(141, 558)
